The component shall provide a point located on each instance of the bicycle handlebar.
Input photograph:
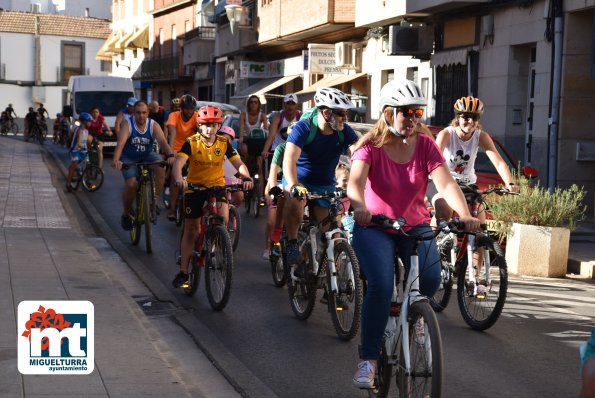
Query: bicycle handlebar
(339, 194)
(454, 225)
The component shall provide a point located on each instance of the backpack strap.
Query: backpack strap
(313, 122)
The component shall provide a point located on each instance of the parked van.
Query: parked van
(109, 93)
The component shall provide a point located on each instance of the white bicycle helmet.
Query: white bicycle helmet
(401, 93)
(332, 98)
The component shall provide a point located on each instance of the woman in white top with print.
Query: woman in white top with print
(459, 144)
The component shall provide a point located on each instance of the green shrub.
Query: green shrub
(537, 206)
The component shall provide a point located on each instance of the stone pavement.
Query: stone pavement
(48, 252)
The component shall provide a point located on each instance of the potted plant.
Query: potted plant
(537, 225)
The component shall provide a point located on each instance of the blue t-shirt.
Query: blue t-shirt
(316, 165)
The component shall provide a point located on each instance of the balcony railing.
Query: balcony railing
(164, 68)
(202, 32)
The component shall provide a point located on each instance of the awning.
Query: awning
(140, 39)
(451, 57)
(264, 86)
(120, 43)
(108, 46)
(329, 81)
(102, 56)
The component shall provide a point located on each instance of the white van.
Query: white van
(108, 93)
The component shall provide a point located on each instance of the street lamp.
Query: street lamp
(235, 13)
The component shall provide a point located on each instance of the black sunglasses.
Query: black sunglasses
(411, 112)
(337, 112)
(469, 115)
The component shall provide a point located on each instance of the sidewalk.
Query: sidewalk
(581, 256)
(48, 251)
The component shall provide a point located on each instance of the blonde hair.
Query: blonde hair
(379, 136)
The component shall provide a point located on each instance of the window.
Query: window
(187, 26)
(72, 60)
(174, 43)
(266, 2)
(161, 40)
(106, 66)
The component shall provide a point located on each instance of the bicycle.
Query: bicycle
(411, 349)
(481, 296)
(143, 209)
(329, 263)
(234, 222)
(9, 126)
(36, 133)
(213, 252)
(89, 175)
(278, 255)
(252, 200)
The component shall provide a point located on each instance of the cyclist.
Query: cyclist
(253, 129)
(205, 152)
(290, 114)
(274, 227)
(180, 125)
(135, 145)
(30, 122)
(389, 175)
(459, 143)
(9, 112)
(309, 163)
(123, 113)
(96, 129)
(78, 146)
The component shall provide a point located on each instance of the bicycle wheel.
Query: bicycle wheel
(278, 267)
(442, 296)
(345, 305)
(234, 227)
(481, 309)
(92, 178)
(302, 290)
(384, 374)
(194, 270)
(255, 199)
(137, 209)
(219, 267)
(425, 350)
(147, 217)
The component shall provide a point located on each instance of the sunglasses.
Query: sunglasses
(411, 112)
(338, 113)
(466, 115)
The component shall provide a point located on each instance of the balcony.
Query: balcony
(167, 68)
(439, 6)
(199, 45)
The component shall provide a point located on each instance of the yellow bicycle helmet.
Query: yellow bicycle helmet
(469, 105)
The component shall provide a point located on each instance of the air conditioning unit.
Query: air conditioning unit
(343, 54)
(411, 39)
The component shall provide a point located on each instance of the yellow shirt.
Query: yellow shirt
(205, 164)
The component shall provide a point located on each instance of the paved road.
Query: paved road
(530, 352)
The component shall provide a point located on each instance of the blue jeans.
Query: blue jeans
(375, 250)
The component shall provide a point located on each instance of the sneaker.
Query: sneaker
(420, 331)
(481, 290)
(293, 253)
(126, 222)
(364, 377)
(276, 235)
(266, 254)
(180, 280)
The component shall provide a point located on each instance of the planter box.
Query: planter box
(537, 251)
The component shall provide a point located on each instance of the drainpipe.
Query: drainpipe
(555, 96)
(37, 52)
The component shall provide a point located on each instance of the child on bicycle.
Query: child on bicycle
(78, 146)
(237, 197)
(389, 175)
(205, 153)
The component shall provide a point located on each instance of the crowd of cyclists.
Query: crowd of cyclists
(386, 171)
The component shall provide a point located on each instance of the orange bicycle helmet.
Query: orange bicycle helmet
(469, 105)
(209, 114)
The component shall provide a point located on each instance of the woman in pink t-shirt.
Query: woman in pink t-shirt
(389, 175)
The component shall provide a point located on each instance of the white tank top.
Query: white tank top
(460, 155)
(284, 123)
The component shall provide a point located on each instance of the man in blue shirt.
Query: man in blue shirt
(311, 156)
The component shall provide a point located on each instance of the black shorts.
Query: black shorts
(194, 201)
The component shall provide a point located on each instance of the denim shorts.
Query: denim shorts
(150, 157)
(77, 156)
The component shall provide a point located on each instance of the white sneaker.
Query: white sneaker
(420, 331)
(364, 377)
(265, 255)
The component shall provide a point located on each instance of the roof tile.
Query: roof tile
(55, 25)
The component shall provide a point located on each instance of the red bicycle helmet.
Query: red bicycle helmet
(469, 105)
(209, 114)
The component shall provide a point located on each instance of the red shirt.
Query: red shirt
(96, 126)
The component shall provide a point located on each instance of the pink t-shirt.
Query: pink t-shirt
(398, 189)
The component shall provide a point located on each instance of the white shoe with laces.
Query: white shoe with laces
(364, 377)
(266, 254)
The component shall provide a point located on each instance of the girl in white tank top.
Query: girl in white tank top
(460, 155)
